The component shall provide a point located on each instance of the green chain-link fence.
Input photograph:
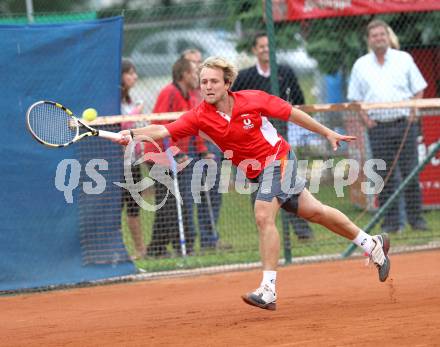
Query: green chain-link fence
(320, 54)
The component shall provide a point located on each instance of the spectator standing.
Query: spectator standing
(389, 75)
(207, 220)
(129, 107)
(176, 96)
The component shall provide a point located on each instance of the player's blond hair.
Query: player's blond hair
(230, 72)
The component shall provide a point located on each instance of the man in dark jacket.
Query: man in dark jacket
(258, 77)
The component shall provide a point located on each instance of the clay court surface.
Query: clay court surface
(324, 304)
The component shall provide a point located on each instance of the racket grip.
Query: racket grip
(109, 135)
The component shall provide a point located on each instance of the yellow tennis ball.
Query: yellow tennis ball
(89, 114)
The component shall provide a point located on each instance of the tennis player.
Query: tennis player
(234, 121)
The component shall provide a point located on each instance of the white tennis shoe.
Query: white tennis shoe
(263, 297)
(379, 255)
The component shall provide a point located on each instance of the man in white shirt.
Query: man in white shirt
(387, 75)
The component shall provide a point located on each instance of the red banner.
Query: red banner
(292, 10)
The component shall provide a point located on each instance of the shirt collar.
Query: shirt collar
(261, 72)
(386, 57)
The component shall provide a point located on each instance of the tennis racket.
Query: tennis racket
(54, 125)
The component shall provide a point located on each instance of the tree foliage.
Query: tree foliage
(336, 42)
(249, 13)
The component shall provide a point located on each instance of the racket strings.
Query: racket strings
(52, 124)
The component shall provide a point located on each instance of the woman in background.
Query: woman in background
(129, 107)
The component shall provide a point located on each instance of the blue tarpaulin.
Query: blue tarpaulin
(78, 65)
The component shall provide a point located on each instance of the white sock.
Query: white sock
(269, 278)
(364, 241)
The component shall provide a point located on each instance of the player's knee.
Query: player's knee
(263, 220)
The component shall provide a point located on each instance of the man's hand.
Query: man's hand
(334, 138)
(126, 138)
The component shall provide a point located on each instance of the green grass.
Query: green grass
(237, 227)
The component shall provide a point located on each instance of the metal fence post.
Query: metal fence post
(30, 11)
(276, 91)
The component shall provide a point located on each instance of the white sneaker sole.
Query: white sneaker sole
(253, 300)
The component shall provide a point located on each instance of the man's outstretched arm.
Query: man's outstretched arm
(150, 132)
(304, 120)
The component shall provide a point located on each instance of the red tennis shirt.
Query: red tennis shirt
(251, 139)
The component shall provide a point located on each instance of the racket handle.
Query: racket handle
(109, 135)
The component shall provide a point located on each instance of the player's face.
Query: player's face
(129, 78)
(212, 85)
(378, 39)
(261, 50)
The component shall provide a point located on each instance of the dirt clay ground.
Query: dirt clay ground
(339, 303)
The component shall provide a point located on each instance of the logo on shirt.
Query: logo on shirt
(247, 124)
